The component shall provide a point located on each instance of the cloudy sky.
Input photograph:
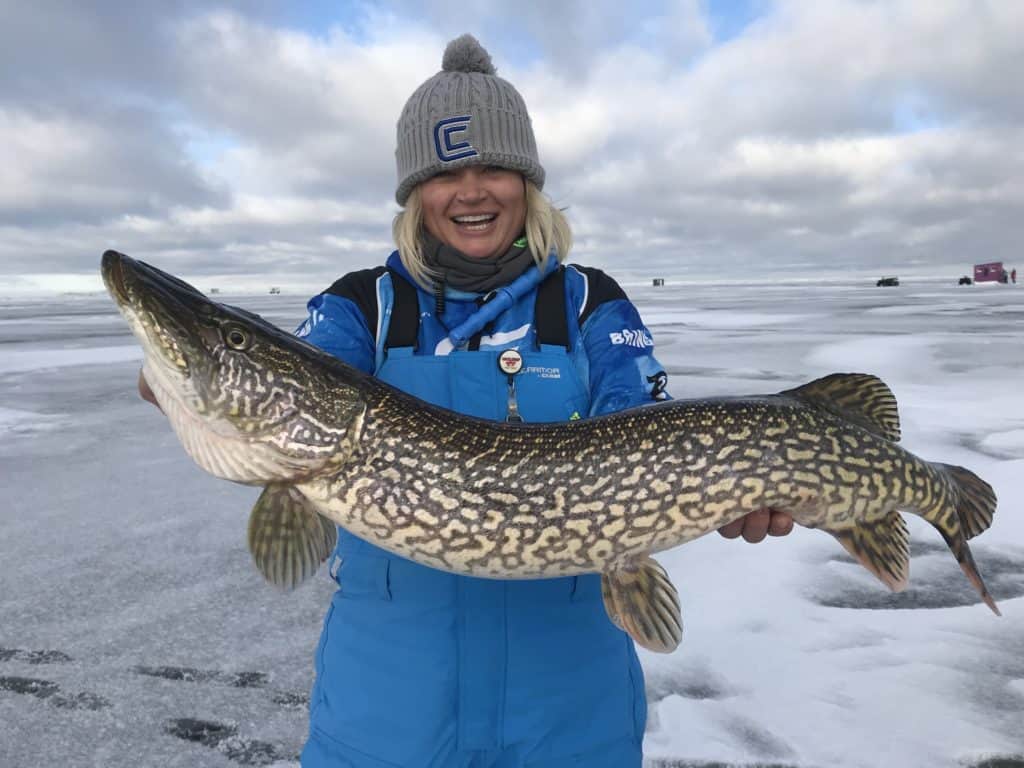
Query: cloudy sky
(252, 143)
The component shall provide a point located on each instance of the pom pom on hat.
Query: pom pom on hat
(465, 54)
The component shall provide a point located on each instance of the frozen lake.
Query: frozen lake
(135, 631)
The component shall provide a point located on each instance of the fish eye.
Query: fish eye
(237, 338)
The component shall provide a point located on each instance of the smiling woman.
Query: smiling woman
(479, 210)
(546, 230)
(476, 313)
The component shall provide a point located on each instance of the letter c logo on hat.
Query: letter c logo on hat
(444, 131)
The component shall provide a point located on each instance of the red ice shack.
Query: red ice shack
(988, 273)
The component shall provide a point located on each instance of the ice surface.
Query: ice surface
(24, 360)
(135, 631)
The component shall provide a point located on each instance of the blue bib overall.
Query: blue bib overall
(421, 668)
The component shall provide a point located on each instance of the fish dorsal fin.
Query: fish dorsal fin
(288, 539)
(858, 397)
(641, 601)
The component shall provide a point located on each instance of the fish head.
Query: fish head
(247, 400)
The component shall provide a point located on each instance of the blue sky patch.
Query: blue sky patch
(728, 19)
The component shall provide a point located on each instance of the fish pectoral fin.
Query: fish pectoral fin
(609, 603)
(883, 547)
(858, 397)
(641, 601)
(288, 538)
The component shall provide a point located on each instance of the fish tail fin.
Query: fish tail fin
(958, 545)
(641, 601)
(977, 502)
(965, 513)
(882, 547)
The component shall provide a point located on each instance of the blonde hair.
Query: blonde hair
(547, 231)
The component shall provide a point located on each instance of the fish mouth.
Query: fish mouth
(113, 276)
(128, 281)
(165, 313)
(179, 330)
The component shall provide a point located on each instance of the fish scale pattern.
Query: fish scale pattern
(498, 500)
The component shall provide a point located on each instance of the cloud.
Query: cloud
(61, 51)
(67, 167)
(784, 142)
(232, 138)
(311, 115)
(568, 38)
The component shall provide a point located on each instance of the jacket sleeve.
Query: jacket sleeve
(617, 347)
(338, 326)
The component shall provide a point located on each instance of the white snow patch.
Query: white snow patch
(719, 319)
(19, 361)
(14, 420)
(1011, 442)
(129, 555)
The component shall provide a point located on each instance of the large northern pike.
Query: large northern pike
(253, 404)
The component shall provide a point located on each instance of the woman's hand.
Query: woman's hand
(756, 525)
(145, 392)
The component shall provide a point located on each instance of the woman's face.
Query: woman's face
(479, 209)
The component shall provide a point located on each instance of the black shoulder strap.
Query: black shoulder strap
(360, 288)
(405, 313)
(600, 288)
(549, 311)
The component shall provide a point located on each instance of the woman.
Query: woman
(475, 312)
(422, 668)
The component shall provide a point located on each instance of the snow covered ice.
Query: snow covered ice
(135, 631)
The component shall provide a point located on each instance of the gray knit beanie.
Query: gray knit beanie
(464, 115)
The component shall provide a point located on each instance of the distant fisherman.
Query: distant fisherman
(476, 312)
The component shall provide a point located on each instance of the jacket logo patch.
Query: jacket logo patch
(634, 338)
(545, 372)
(658, 382)
(447, 147)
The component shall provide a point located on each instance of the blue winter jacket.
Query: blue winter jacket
(417, 667)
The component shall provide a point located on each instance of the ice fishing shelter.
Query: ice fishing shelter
(989, 273)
